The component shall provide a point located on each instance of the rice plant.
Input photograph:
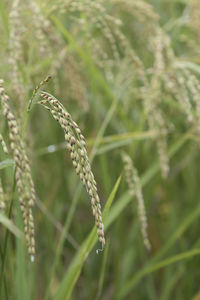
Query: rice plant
(122, 80)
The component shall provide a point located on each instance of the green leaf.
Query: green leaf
(190, 65)
(10, 225)
(187, 221)
(71, 276)
(84, 57)
(149, 269)
(4, 18)
(66, 287)
(21, 276)
(6, 163)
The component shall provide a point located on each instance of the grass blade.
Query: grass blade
(103, 269)
(66, 286)
(174, 237)
(10, 226)
(6, 163)
(157, 266)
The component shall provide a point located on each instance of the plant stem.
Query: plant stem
(7, 234)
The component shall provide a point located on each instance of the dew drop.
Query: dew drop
(51, 148)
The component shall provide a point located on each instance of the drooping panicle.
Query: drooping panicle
(135, 189)
(77, 147)
(23, 177)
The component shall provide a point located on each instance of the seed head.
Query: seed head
(24, 180)
(134, 186)
(76, 145)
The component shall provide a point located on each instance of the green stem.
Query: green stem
(26, 116)
(5, 284)
(7, 234)
(62, 238)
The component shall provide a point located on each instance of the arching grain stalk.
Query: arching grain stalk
(77, 148)
(24, 181)
(135, 189)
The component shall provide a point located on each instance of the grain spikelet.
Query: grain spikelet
(3, 144)
(24, 181)
(135, 189)
(77, 148)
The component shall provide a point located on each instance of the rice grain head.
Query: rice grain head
(135, 189)
(24, 182)
(77, 147)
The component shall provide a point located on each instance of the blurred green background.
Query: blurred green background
(128, 72)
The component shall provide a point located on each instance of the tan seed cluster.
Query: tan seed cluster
(97, 18)
(36, 90)
(194, 16)
(76, 82)
(3, 144)
(15, 46)
(141, 9)
(2, 197)
(192, 88)
(135, 189)
(40, 26)
(24, 180)
(184, 86)
(77, 148)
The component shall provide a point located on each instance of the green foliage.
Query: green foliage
(129, 74)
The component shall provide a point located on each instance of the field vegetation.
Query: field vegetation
(99, 154)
